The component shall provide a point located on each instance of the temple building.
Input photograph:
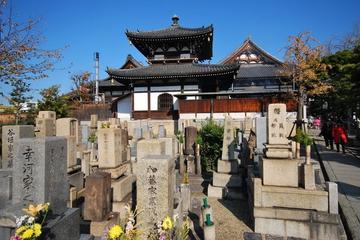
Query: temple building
(177, 84)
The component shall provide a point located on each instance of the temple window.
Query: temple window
(165, 102)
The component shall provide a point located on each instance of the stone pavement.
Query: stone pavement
(344, 169)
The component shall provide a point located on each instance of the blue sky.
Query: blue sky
(87, 26)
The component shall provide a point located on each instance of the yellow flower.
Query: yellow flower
(115, 232)
(20, 230)
(167, 223)
(33, 210)
(27, 234)
(37, 229)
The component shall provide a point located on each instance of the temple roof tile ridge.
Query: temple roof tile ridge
(250, 42)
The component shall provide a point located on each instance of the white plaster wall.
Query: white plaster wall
(140, 102)
(124, 107)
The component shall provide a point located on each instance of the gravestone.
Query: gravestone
(137, 133)
(67, 127)
(5, 187)
(109, 151)
(261, 132)
(45, 124)
(93, 121)
(39, 173)
(149, 147)
(85, 133)
(190, 137)
(10, 134)
(114, 122)
(97, 196)
(155, 189)
(277, 124)
(162, 131)
(228, 140)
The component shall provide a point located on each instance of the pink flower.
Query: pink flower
(15, 238)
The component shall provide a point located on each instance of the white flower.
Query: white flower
(19, 221)
(30, 220)
(129, 226)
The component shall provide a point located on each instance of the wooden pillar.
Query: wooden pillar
(149, 98)
(132, 99)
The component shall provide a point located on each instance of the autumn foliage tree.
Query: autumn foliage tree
(21, 56)
(303, 65)
(82, 86)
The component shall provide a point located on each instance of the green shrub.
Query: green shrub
(211, 136)
(303, 138)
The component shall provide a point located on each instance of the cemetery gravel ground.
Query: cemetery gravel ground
(231, 217)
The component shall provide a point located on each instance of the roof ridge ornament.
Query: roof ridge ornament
(175, 21)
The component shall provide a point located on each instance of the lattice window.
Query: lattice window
(165, 102)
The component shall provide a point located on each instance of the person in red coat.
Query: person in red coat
(340, 136)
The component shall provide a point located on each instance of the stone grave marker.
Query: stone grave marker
(97, 196)
(45, 124)
(261, 132)
(162, 131)
(10, 134)
(155, 190)
(190, 137)
(228, 140)
(40, 172)
(277, 124)
(5, 187)
(109, 151)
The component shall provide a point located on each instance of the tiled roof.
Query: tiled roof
(108, 83)
(174, 71)
(255, 70)
(249, 45)
(171, 33)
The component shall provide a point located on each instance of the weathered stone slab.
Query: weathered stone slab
(68, 127)
(85, 162)
(170, 143)
(97, 227)
(122, 187)
(45, 124)
(279, 172)
(155, 188)
(332, 189)
(216, 192)
(228, 140)
(190, 137)
(261, 132)
(5, 187)
(226, 180)
(162, 131)
(308, 177)
(39, 173)
(109, 150)
(289, 197)
(71, 151)
(10, 134)
(47, 114)
(149, 147)
(93, 120)
(76, 180)
(117, 171)
(64, 226)
(277, 124)
(228, 166)
(97, 196)
(185, 197)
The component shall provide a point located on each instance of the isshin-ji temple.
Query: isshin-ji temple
(177, 83)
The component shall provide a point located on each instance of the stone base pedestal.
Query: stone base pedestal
(209, 232)
(216, 192)
(228, 166)
(65, 226)
(308, 177)
(279, 172)
(297, 223)
(226, 180)
(278, 151)
(97, 228)
(117, 171)
(122, 187)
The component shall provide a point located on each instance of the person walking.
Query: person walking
(340, 136)
(326, 132)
